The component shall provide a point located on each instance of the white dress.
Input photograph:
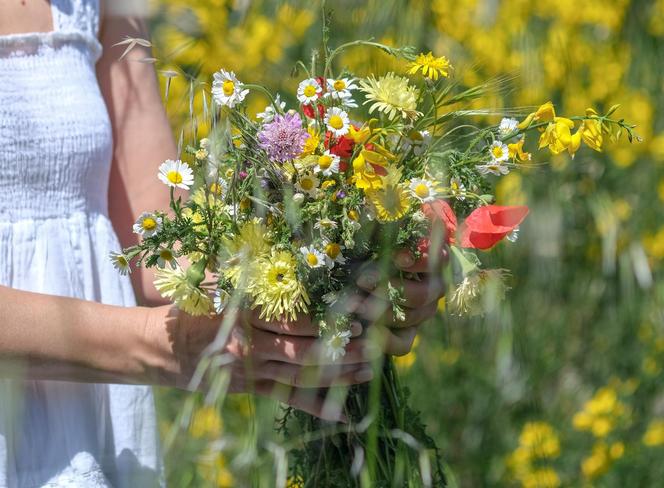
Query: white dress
(55, 238)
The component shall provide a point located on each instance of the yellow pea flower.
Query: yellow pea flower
(591, 131)
(545, 113)
(557, 136)
(516, 151)
(364, 176)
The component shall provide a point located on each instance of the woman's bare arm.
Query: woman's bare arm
(141, 133)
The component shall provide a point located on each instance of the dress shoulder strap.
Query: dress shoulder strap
(76, 16)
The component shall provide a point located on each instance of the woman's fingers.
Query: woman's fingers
(415, 293)
(396, 342)
(315, 376)
(429, 262)
(379, 311)
(303, 326)
(309, 400)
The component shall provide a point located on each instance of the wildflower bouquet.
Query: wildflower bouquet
(284, 210)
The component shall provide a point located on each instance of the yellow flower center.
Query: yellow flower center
(228, 87)
(216, 188)
(339, 85)
(149, 223)
(324, 161)
(229, 173)
(166, 255)
(327, 184)
(309, 91)
(497, 151)
(336, 122)
(312, 259)
(174, 177)
(306, 184)
(122, 261)
(332, 250)
(422, 190)
(353, 215)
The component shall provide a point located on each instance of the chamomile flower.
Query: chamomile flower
(325, 224)
(419, 141)
(308, 183)
(176, 174)
(121, 263)
(508, 126)
(422, 189)
(308, 91)
(493, 168)
(268, 114)
(148, 224)
(457, 189)
(166, 257)
(312, 256)
(227, 90)
(220, 300)
(335, 345)
(333, 254)
(327, 164)
(337, 121)
(340, 89)
(499, 152)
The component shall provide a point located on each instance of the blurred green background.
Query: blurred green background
(562, 386)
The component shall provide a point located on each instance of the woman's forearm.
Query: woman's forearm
(59, 338)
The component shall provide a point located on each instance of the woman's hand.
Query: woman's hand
(280, 359)
(421, 287)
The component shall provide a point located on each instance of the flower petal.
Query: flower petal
(488, 225)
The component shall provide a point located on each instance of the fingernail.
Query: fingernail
(368, 280)
(405, 259)
(364, 375)
(355, 329)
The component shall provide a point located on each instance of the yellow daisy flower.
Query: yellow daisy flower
(240, 252)
(392, 200)
(175, 285)
(431, 66)
(391, 95)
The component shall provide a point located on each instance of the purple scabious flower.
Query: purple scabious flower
(284, 137)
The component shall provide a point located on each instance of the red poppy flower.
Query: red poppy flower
(440, 212)
(488, 225)
(342, 147)
(308, 110)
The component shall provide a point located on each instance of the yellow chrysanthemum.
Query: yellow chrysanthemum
(175, 285)
(392, 200)
(391, 95)
(240, 252)
(431, 66)
(276, 289)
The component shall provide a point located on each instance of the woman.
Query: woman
(81, 136)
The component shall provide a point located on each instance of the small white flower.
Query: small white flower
(423, 190)
(268, 114)
(458, 189)
(298, 198)
(176, 174)
(226, 89)
(328, 163)
(308, 91)
(507, 126)
(308, 184)
(220, 300)
(340, 90)
(499, 152)
(496, 168)
(204, 143)
(147, 225)
(166, 257)
(325, 224)
(121, 263)
(336, 345)
(419, 141)
(337, 121)
(312, 256)
(333, 254)
(419, 217)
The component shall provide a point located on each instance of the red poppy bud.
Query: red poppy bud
(488, 225)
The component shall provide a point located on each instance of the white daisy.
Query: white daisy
(312, 256)
(514, 235)
(121, 263)
(419, 141)
(327, 164)
(507, 126)
(176, 174)
(308, 91)
(148, 224)
(268, 114)
(499, 152)
(333, 254)
(166, 257)
(336, 345)
(458, 189)
(308, 184)
(325, 224)
(423, 190)
(494, 168)
(220, 300)
(226, 89)
(337, 121)
(340, 89)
